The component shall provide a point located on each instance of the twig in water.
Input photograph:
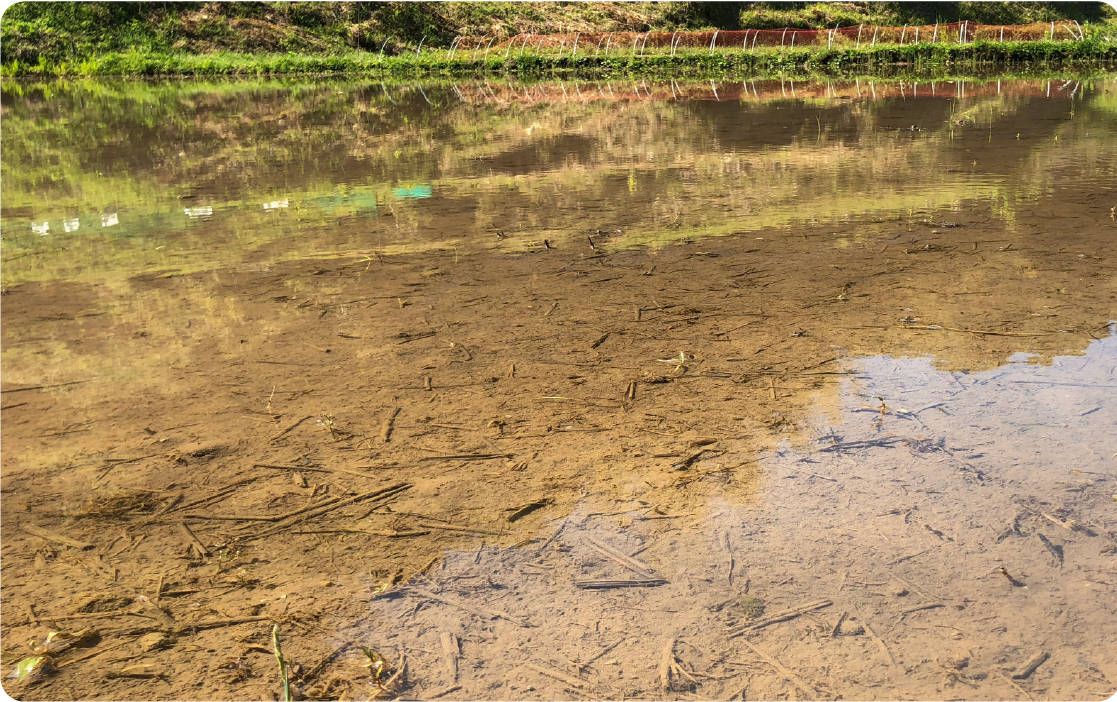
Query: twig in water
(484, 614)
(582, 666)
(468, 457)
(880, 641)
(44, 387)
(94, 653)
(192, 541)
(816, 475)
(729, 552)
(285, 431)
(57, 538)
(901, 559)
(1030, 666)
(1056, 551)
(528, 509)
(380, 495)
(450, 651)
(1019, 689)
(933, 605)
(571, 680)
(782, 616)
(320, 666)
(638, 567)
(799, 682)
(553, 537)
(451, 527)
(1069, 525)
(606, 584)
(388, 424)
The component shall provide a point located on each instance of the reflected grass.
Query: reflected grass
(369, 166)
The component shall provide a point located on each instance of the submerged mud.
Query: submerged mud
(682, 407)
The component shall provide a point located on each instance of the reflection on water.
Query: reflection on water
(364, 167)
(879, 542)
(669, 390)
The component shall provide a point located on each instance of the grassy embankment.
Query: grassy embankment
(920, 58)
(260, 38)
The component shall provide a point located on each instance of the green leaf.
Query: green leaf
(30, 666)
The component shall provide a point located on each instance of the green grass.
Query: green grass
(836, 61)
(74, 32)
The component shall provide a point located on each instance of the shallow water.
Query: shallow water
(644, 364)
(188, 176)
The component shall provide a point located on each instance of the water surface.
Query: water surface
(733, 390)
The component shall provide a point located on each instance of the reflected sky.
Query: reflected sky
(893, 525)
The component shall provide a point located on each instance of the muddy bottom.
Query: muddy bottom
(844, 456)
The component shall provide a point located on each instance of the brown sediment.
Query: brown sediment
(528, 498)
(220, 393)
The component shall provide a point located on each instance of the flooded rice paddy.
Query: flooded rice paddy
(687, 390)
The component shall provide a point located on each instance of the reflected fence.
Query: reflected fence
(635, 44)
(484, 91)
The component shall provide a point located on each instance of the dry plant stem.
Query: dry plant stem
(933, 605)
(1019, 689)
(610, 647)
(880, 642)
(799, 682)
(57, 538)
(484, 614)
(450, 654)
(1025, 671)
(220, 492)
(782, 616)
(316, 511)
(315, 469)
(527, 509)
(467, 457)
(606, 584)
(180, 629)
(570, 680)
(392, 683)
(284, 432)
(450, 527)
(667, 658)
(320, 666)
(553, 537)
(94, 653)
(627, 561)
(192, 541)
(388, 425)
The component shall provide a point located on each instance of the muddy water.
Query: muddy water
(760, 390)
